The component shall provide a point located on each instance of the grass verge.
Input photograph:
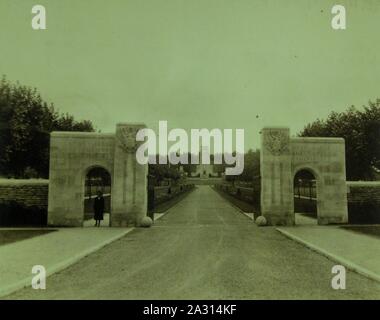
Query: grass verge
(10, 236)
(373, 231)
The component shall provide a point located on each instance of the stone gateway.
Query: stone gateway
(282, 157)
(73, 154)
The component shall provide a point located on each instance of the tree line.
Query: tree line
(26, 121)
(360, 129)
(25, 125)
(361, 132)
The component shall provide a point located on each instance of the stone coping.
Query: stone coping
(76, 134)
(363, 183)
(4, 181)
(317, 140)
(132, 124)
(275, 128)
(16, 182)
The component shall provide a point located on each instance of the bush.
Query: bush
(30, 173)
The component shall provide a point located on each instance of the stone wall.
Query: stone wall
(363, 197)
(23, 203)
(27, 193)
(358, 191)
(363, 202)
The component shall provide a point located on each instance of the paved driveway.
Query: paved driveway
(202, 249)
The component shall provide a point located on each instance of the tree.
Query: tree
(251, 168)
(361, 131)
(251, 165)
(158, 172)
(189, 167)
(25, 124)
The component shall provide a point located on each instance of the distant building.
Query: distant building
(204, 171)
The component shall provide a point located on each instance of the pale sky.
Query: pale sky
(195, 63)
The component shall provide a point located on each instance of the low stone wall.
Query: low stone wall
(23, 202)
(358, 191)
(17, 195)
(28, 192)
(363, 201)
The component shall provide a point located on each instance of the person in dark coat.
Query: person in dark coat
(98, 208)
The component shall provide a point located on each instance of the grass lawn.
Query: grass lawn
(9, 236)
(368, 230)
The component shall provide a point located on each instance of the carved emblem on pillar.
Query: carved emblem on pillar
(127, 139)
(276, 142)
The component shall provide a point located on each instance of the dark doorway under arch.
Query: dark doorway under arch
(305, 197)
(97, 179)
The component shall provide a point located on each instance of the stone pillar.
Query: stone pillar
(276, 179)
(129, 187)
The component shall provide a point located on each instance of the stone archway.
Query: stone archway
(282, 156)
(97, 179)
(305, 196)
(72, 153)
